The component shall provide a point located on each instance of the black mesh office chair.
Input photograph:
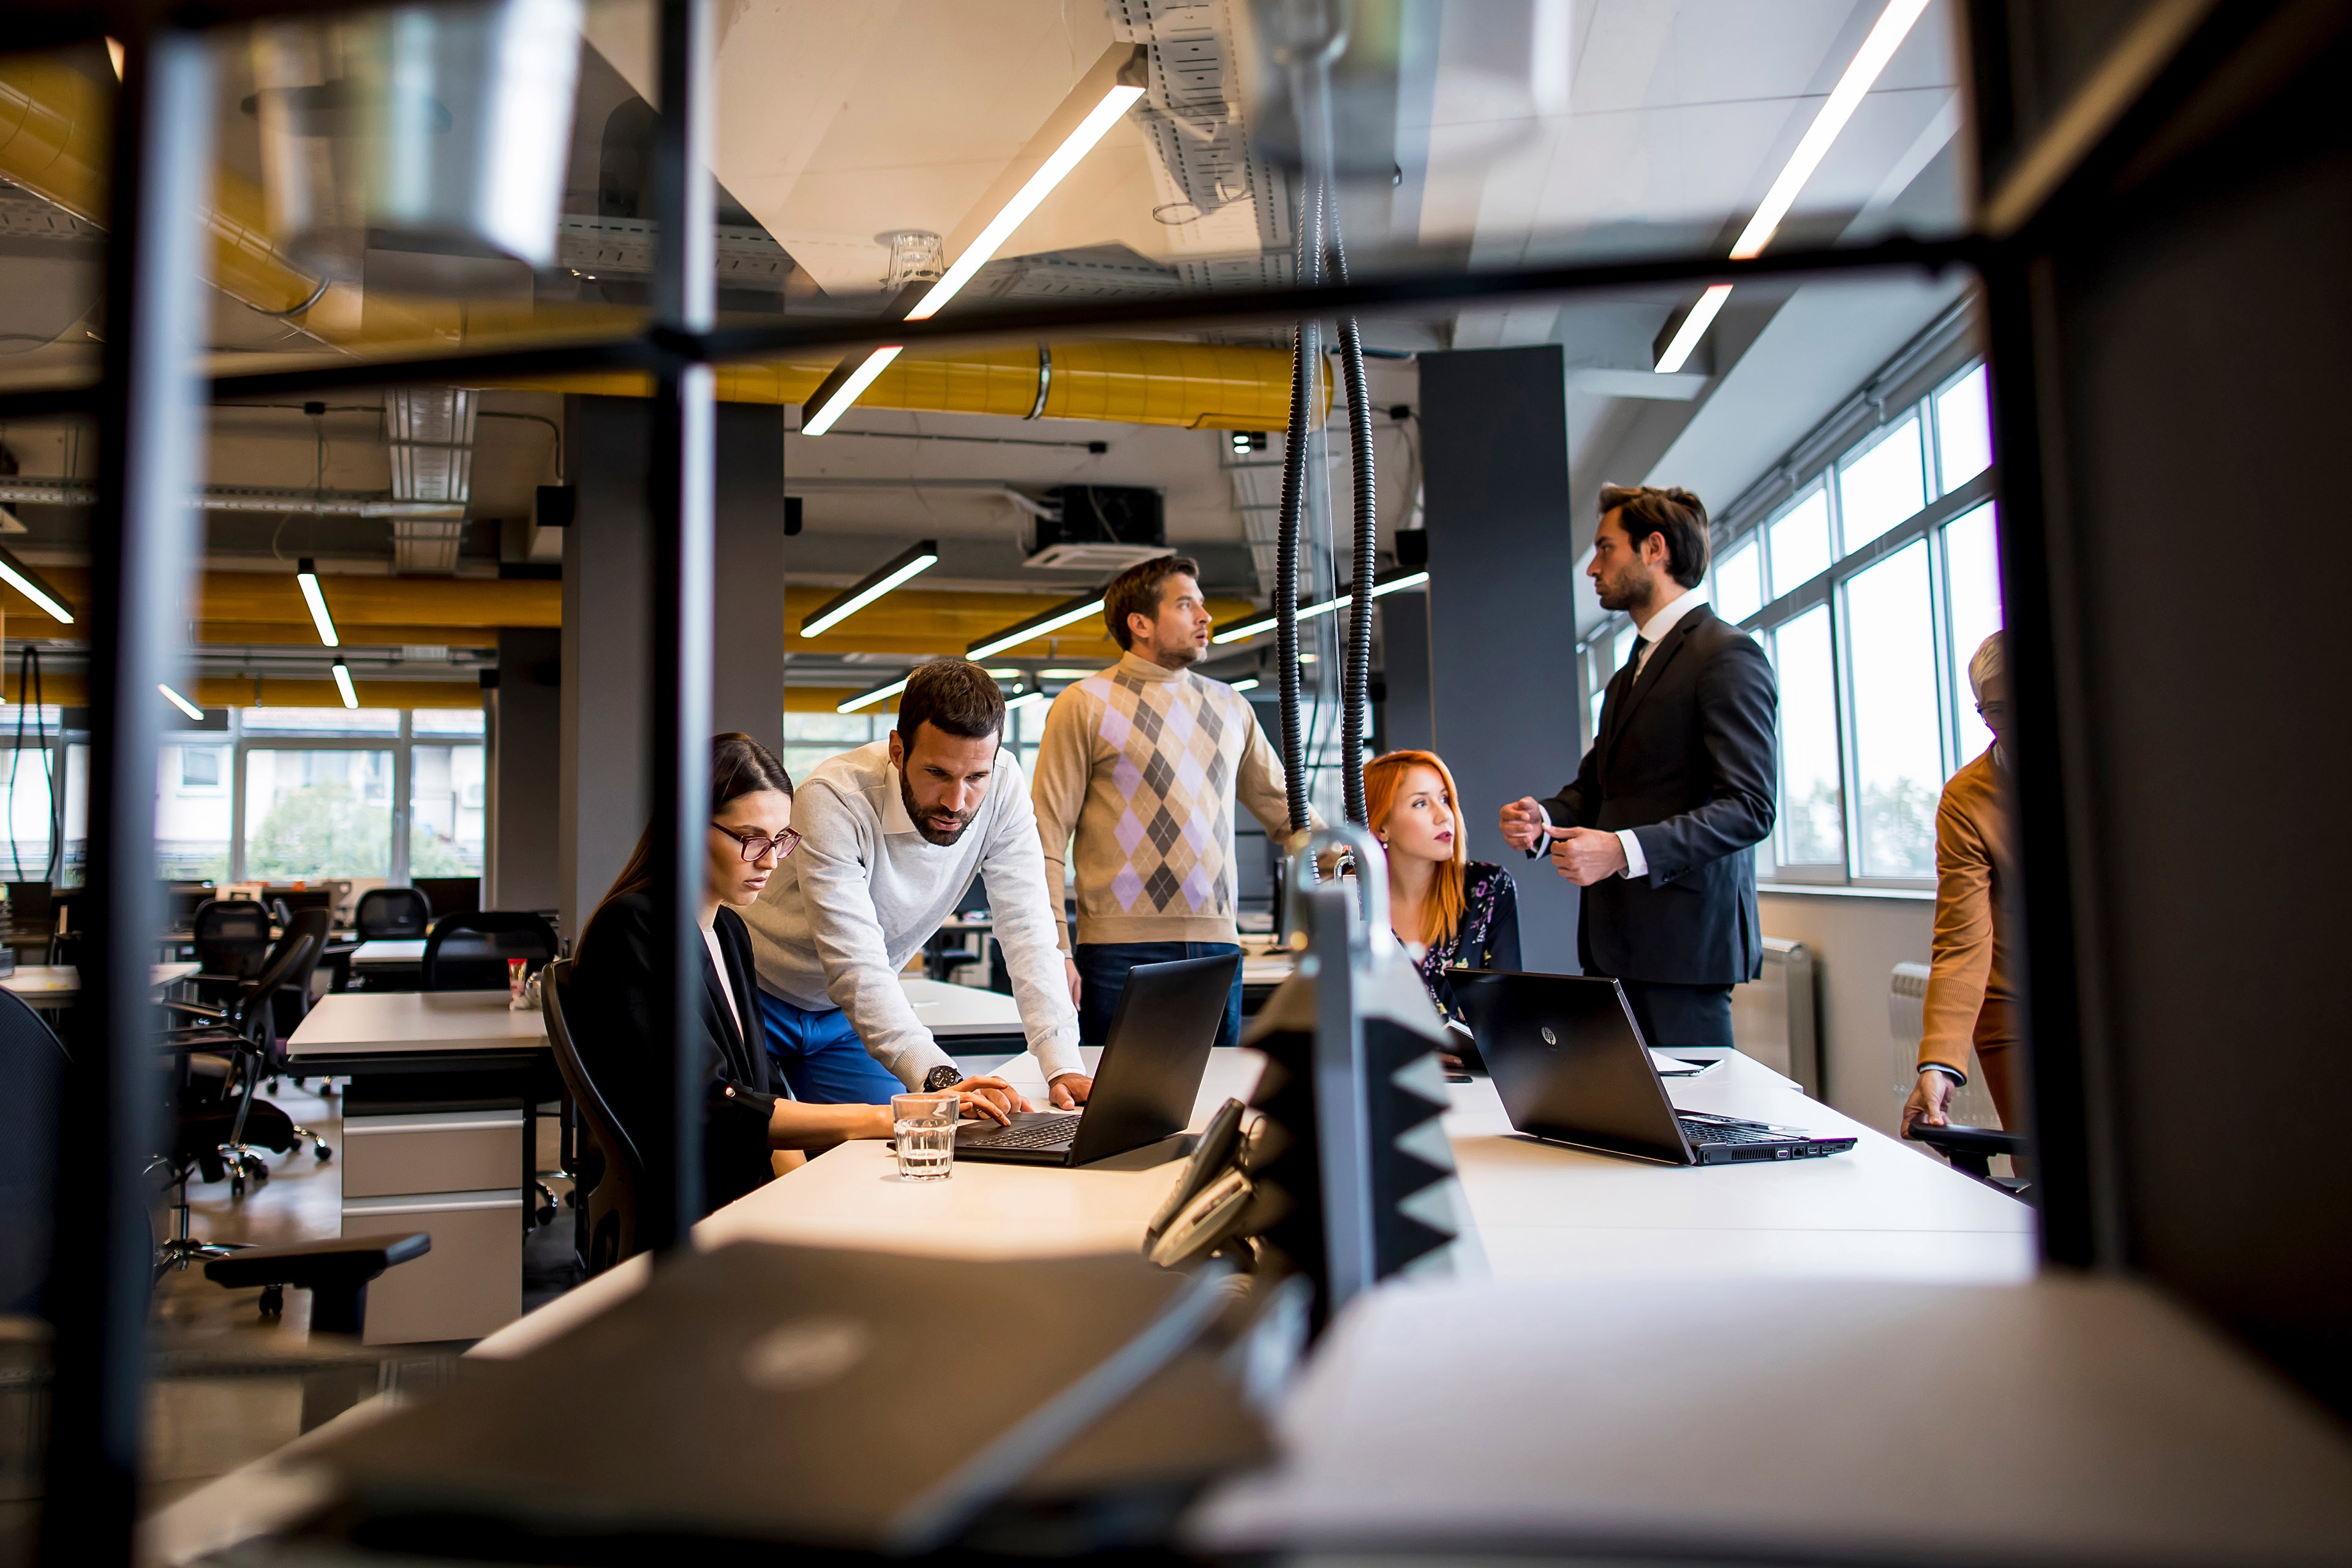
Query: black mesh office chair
(231, 937)
(33, 1065)
(609, 1174)
(393, 914)
(223, 1124)
(470, 952)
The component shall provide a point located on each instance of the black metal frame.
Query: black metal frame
(146, 404)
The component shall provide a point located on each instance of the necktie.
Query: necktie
(1633, 659)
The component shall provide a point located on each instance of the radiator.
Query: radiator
(1772, 1017)
(1907, 1021)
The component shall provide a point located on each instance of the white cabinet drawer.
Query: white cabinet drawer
(469, 1285)
(443, 1152)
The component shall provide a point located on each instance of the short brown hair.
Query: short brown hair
(955, 697)
(1674, 513)
(1136, 592)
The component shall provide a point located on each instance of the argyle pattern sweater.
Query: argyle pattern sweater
(1140, 769)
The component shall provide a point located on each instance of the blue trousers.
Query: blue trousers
(820, 1057)
(1102, 976)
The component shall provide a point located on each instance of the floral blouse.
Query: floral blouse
(1486, 938)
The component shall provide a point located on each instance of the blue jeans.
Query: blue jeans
(820, 1057)
(1102, 976)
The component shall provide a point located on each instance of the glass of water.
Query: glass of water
(925, 1128)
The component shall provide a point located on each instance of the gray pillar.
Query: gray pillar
(1407, 721)
(522, 716)
(1502, 628)
(605, 699)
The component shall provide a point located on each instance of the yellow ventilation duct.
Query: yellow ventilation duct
(1141, 381)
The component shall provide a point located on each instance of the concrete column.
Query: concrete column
(1502, 629)
(523, 720)
(605, 706)
(1407, 721)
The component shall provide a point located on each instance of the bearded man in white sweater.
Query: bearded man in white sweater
(891, 834)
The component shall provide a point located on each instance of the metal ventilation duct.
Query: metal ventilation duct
(429, 434)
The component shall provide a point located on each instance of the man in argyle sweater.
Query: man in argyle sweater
(1142, 766)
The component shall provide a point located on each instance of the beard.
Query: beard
(924, 821)
(1630, 588)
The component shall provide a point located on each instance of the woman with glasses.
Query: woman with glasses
(610, 1005)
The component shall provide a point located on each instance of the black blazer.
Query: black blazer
(1685, 757)
(611, 1015)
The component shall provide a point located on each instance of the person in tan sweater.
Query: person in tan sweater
(1971, 988)
(1142, 766)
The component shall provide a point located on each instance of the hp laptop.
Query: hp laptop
(1572, 1067)
(1145, 1084)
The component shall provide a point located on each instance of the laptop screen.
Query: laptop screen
(1569, 1062)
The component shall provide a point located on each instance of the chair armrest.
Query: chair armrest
(1955, 1139)
(197, 1010)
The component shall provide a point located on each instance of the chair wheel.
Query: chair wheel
(571, 1198)
(273, 1301)
(237, 1182)
(322, 1152)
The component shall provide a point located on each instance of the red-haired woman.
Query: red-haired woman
(1465, 914)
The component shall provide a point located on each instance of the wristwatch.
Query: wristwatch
(946, 1075)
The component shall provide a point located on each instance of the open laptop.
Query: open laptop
(1149, 1073)
(1572, 1067)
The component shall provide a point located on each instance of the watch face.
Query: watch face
(940, 1077)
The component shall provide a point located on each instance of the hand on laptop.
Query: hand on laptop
(1069, 1090)
(990, 1099)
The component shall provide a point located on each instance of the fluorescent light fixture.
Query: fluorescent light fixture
(343, 684)
(1862, 73)
(1037, 627)
(831, 400)
(1068, 674)
(306, 574)
(1007, 674)
(21, 577)
(1694, 325)
(909, 562)
(1115, 102)
(181, 703)
(1265, 623)
(1026, 700)
(868, 698)
(1893, 25)
(1246, 683)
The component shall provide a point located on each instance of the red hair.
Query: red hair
(1384, 776)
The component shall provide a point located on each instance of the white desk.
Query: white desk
(349, 1026)
(950, 1011)
(58, 985)
(388, 953)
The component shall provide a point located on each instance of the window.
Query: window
(1800, 541)
(200, 766)
(811, 738)
(446, 721)
(1972, 570)
(1811, 828)
(310, 814)
(30, 825)
(1880, 486)
(193, 814)
(320, 721)
(1963, 430)
(1897, 741)
(1875, 709)
(1736, 581)
(445, 811)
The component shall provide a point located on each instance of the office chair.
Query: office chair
(391, 913)
(469, 951)
(33, 1064)
(229, 1052)
(611, 1174)
(292, 1002)
(1972, 1150)
(231, 937)
(336, 1273)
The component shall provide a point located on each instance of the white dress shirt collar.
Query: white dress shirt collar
(1664, 620)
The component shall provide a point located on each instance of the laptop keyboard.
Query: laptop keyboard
(1713, 1132)
(1043, 1132)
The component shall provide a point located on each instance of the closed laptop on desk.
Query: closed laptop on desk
(1570, 1066)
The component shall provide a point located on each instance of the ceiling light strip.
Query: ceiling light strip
(307, 576)
(1037, 627)
(19, 576)
(879, 694)
(1265, 623)
(343, 684)
(850, 390)
(1115, 103)
(900, 568)
(181, 703)
(1694, 325)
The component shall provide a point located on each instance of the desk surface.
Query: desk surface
(379, 1023)
(64, 980)
(949, 1010)
(389, 950)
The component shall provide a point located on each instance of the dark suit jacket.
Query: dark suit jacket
(1685, 757)
(611, 1024)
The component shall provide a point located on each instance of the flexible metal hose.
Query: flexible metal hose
(1356, 677)
(1307, 352)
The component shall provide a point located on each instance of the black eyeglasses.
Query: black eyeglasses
(757, 845)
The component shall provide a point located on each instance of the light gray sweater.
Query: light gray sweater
(864, 890)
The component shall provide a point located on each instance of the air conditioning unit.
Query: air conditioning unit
(1772, 1017)
(1906, 1023)
(1101, 529)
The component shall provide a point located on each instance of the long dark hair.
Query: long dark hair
(740, 765)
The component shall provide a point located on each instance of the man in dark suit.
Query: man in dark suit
(1677, 788)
